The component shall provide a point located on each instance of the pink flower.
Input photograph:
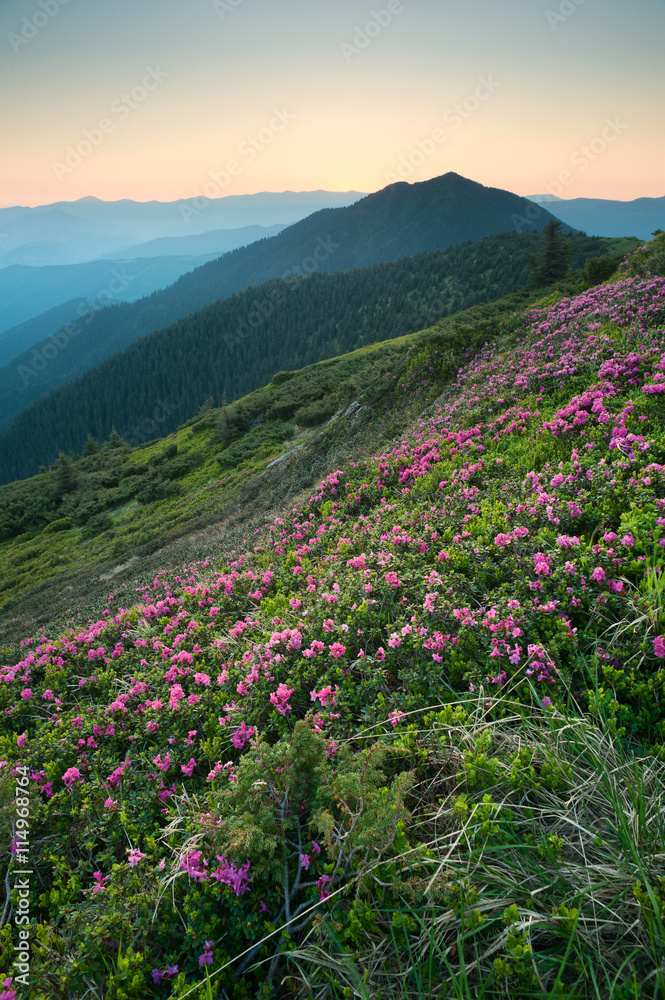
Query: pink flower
(323, 695)
(118, 774)
(503, 539)
(567, 541)
(188, 769)
(206, 957)
(598, 574)
(542, 564)
(100, 879)
(7, 993)
(242, 735)
(321, 886)
(238, 878)
(337, 650)
(176, 694)
(396, 717)
(659, 646)
(202, 679)
(135, 856)
(430, 600)
(71, 776)
(280, 697)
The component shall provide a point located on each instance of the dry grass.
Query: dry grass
(559, 880)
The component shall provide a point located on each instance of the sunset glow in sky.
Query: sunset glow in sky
(154, 99)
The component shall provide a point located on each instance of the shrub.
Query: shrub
(97, 525)
(317, 412)
(62, 524)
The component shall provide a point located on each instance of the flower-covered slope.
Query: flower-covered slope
(511, 541)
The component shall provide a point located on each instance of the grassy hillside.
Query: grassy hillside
(402, 220)
(233, 346)
(407, 739)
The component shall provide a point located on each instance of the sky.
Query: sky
(168, 99)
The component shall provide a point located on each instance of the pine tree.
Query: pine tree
(554, 261)
(115, 441)
(66, 478)
(91, 447)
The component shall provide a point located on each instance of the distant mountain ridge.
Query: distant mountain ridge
(603, 217)
(78, 231)
(217, 241)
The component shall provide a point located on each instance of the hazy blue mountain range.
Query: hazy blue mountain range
(20, 338)
(73, 232)
(218, 241)
(603, 217)
(28, 292)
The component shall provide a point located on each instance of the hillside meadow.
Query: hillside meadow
(405, 737)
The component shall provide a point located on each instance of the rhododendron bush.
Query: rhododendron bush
(234, 751)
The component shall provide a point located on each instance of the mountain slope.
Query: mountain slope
(404, 735)
(21, 337)
(235, 345)
(401, 220)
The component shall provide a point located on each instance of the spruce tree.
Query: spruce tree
(90, 447)
(115, 441)
(66, 478)
(554, 261)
